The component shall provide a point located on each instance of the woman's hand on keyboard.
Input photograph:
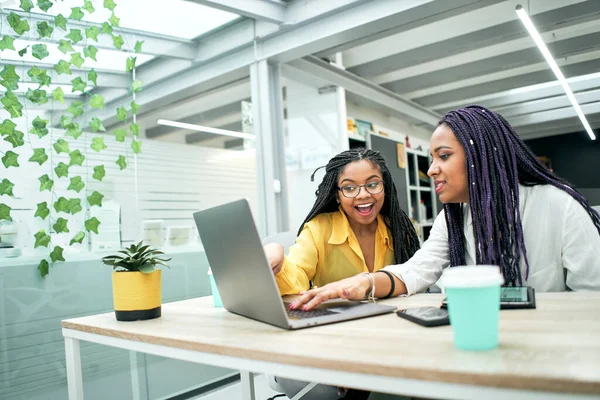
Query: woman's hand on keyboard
(275, 255)
(353, 288)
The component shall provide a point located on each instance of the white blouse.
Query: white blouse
(562, 243)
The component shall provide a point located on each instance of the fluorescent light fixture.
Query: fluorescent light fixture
(550, 60)
(200, 128)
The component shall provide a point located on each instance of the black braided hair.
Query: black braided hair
(404, 237)
(497, 162)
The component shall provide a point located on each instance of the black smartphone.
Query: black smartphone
(426, 316)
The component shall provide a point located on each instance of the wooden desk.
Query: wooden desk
(552, 352)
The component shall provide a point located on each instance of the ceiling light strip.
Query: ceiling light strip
(200, 128)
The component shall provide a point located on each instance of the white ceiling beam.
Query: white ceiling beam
(448, 28)
(554, 115)
(551, 103)
(271, 11)
(486, 52)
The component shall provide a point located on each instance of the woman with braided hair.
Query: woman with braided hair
(501, 207)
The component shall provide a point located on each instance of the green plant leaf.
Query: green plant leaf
(118, 41)
(17, 24)
(121, 163)
(58, 95)
(40, 76)
(39, 127)
(44, 5)
(39, 156)
(135, 129)
(98, 144)
(95, 126)
(44, 29)
(136, 86)
(77, 60)
(92, 225)
(138, 46)
(63, 67)
(90, 52)
(23, 51)
(93, 77)
(75, 206)
(97, 101)
(43, 267)
(61, 225)
(7, 43)
(12, 105)
(7, 127)
(65, 46)
(74, 131)
(77, 238)
(42, 210)
(6, 187)
(10, 78)
(41, 239)
(75, 35)
(130, 63)
(136, 146)
(134, 107)
(78, 85)
(76, 14)
(88, 6)
(120, 134)
(114, 21)
(61, 146)
(110, 4)
(26, 5)
(92, 33)
(95, 199)
(66, 121)
(39, 51)
(99, 173)
(61, 170)
(15, 138)
(76, 108)
(76, 158)
(37, 96)
(5, 212)
(122, 113)
(76, 184)
(10, 159)
(106, 28)
(45, 183)
(60, 22)
(57, 254)
(71, 206)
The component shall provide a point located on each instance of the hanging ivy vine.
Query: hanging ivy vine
(25, 26)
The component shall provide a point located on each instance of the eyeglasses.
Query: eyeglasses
(351, 191)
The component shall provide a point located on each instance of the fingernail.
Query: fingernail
(304, 308)
(345, 293)
(292, 305)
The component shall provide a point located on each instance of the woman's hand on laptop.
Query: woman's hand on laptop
(353, 288)
(275, 255)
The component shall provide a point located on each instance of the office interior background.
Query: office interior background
(287, 85)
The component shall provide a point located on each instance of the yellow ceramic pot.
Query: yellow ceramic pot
(136, 296)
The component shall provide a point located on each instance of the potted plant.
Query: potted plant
(136, 282)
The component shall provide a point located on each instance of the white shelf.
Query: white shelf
(354, 136)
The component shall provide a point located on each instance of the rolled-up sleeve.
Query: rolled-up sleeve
(426, 265)
(299, 265)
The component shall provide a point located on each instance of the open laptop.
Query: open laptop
(244, 278)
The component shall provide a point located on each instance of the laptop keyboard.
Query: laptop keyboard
(299, 314)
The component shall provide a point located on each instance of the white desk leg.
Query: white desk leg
(247, 385)
(73, 360)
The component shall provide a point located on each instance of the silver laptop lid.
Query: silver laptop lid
(238, 262)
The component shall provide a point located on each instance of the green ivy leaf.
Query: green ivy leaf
(120, 134)
(74, 131)
(6, 187)
(78, 85)
(45, 183)
(96, 125)
(90, 52)
(130, 63)
(110, 4)
(7, 43)
(134, 107)
(71, 206)
(97, 101)
(99, 173)
(12, 105)
(77, 238)
(57, 254)
(44, 29)
(77, 60)
(61, 170)
(106, 28)
(98, 144)
(136, 86)
(10, 78)
(39, 127)
(44, 5)
(40, 76)
(138, 46)
(76, 14)
(61, 146)
(7, 127)
(75, 35)
(58, 95)
(65, 46)
(118, 41)
(5, 212)
(122, 113)
(41, 239)
(23, 51)
(114, 21)
(17, 24)
(39, 156)
(10, 159)
(37, 96)
(95, 199)
(66, 121)
(39, 51)
(61, 225)
(76, 158)
(76, 184)
(43, 267)
(42, 210)
(60, 22)
(87, 6)
(26, 5)
(93, 76)
(121, 163)
(136, 146)
(92, 225)
(75, 206)
(63, 67)
(135, 129)
(92, 33)
(15, 138)
(76, 108)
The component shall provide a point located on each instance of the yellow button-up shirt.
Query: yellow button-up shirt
(327, 250)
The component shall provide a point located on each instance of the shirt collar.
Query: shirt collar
(341, 229)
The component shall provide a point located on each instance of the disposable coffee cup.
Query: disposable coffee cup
(473, 294)
(214, 290)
